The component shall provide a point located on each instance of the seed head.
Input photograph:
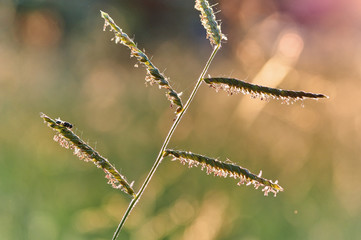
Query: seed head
(209, 22)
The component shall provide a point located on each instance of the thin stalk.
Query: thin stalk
(165, 143)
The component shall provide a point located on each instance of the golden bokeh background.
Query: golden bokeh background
(55, 58)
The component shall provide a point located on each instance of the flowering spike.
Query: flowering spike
(232, 86)
(223, 169)
(67, 139)
(153, 73)
(209, 22)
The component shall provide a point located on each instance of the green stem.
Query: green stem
(166, 141)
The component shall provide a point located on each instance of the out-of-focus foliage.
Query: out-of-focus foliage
(55, 58)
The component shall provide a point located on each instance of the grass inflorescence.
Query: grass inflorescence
(153, 73)
(223, 169)
(209, 22)
(67, 139)
(234, 86)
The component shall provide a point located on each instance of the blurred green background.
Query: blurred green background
(55, 58)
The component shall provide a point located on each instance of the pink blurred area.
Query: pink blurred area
(333, 13)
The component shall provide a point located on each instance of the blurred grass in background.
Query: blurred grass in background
(55, 58)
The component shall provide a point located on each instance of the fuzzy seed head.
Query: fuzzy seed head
(153, 74)
(67, 139)
(209, 22)
(222, 169)
(235, 86)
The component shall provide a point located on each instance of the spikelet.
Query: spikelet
(223, 169)
(233, 86)
(67, 139)
(153, 74)
(209, 22)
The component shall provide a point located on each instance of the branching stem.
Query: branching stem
(165, 143)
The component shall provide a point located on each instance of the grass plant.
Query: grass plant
(66, 138)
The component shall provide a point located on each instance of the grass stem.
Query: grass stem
(165, 143)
